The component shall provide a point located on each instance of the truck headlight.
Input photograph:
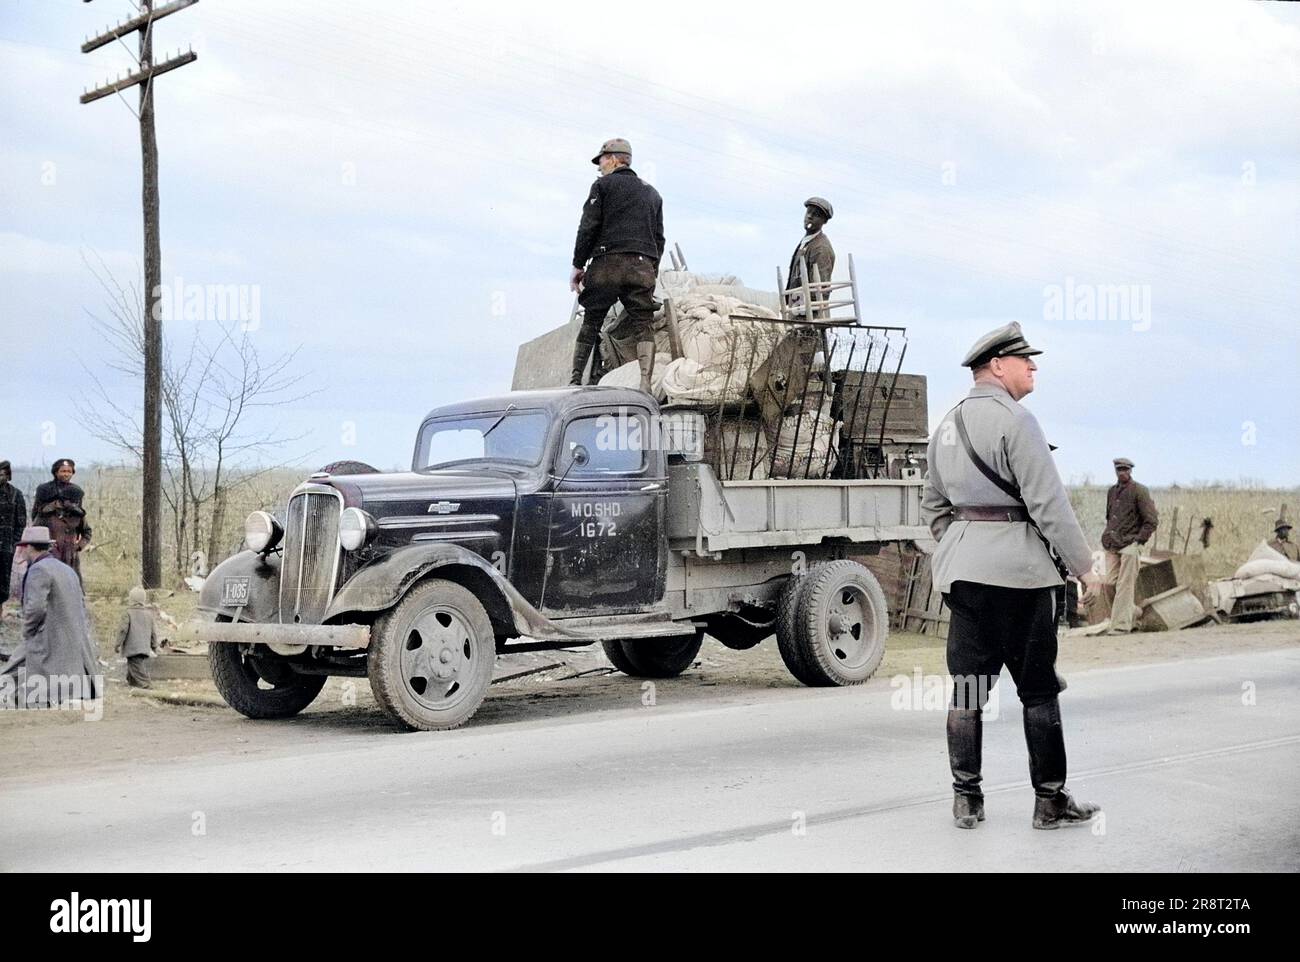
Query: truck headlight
(356, 527)
(262, 532)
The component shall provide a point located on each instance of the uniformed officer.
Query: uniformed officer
(815, 249)
(1282, 542)
(621, 234)
(1131, 520)
(997, 527)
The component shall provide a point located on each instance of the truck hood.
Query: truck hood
(409, 490)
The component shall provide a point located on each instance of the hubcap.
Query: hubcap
(850, 627)
(439, 654)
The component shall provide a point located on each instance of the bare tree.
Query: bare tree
(211, 386)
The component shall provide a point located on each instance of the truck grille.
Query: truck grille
(311, 557)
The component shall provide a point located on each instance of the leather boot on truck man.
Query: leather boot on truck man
(616, 258)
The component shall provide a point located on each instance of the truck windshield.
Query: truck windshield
(518, 438)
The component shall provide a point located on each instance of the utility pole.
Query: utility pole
(151, 446)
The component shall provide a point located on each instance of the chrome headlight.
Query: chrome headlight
(356, 527)
(262, 532)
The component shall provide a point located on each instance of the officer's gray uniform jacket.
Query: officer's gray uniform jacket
(1006, 553)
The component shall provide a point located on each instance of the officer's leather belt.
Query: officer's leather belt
(991, 512)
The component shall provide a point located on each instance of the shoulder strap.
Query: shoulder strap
(1008, 487)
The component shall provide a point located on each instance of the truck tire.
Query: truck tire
(787, 629)
(735, 633)
(260, 687)
(841, 624)
(431, 658)
(618, 657)
(655, 657)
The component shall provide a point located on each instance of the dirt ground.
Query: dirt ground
(187, 718)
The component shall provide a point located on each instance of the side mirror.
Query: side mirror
(579, 455)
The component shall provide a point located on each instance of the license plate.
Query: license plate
(234, 592)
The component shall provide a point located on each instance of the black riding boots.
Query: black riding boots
(1053, 805)
(965, 731)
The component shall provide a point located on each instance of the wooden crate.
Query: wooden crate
(908, 415)
(904, 576)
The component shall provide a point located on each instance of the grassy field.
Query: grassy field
(1242, 518)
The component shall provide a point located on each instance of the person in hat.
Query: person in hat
(57, 505)
(616, 258)
(55, 661)
(813, 251)
(1131, 520)
(137, 639)
(997, 507)
(13, 517)
(1282, 542)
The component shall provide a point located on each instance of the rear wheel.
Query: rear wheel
(260, 685)
(787, 628)
(841, 624)
(431, 658)
(654, 657)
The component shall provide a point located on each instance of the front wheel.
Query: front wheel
(260, 686)
(654, 657)
(431, 658)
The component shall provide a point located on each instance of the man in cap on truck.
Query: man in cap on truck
(616, 258)
(814, 250)
(998, 509)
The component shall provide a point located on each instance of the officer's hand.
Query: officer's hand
(575, 279)
(1091, 585)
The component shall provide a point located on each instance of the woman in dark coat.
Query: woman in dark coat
(57, 506)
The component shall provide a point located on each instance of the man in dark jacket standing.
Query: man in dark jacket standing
(814, 251)
(1131, 520)
(13, 518)
(621, 234)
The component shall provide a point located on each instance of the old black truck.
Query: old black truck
(546, 519)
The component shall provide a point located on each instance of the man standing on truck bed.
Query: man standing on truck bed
(1131, 520)
(814, 250)
(622, 235)
(996, 505)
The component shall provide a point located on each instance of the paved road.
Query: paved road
(1197, 765)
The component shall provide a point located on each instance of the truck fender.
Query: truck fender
(380, 586)
(263, 573)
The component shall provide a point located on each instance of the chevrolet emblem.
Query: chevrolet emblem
(443, 507)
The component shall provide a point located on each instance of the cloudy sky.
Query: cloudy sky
(400, 183)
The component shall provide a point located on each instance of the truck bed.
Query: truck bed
(710, 515)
